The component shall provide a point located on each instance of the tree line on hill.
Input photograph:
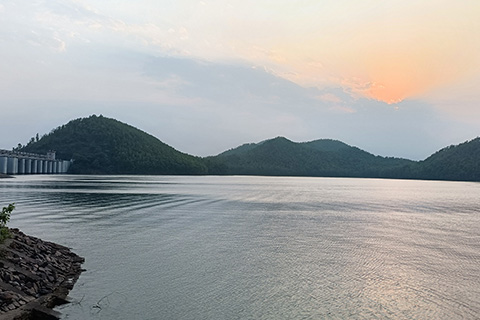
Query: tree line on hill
(100, 145)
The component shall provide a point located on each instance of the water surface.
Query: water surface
(163, 247)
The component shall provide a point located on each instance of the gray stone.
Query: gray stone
(6, 296)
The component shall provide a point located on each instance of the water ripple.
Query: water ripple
(260, 248)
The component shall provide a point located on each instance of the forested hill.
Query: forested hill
(460, 162)
(100, 145)
(328, 158)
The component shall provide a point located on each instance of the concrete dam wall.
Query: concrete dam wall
(12, 162)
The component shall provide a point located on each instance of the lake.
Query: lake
(205, 247)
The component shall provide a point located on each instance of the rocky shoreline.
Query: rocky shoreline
(35, 276)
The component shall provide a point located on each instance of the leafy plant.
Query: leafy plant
(4, 218)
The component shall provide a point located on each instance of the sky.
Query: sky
(395, 78)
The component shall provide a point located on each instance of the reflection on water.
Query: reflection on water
(260, 248)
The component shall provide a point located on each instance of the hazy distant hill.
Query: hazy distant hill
(101, 145)
(280, 156)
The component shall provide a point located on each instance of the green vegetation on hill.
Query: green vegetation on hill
(456, 163)
(99, 145)
(461, 162)
(281, 156)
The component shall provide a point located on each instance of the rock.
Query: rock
(31, 292)
(44, 291)
(6, 296)
(36, 270)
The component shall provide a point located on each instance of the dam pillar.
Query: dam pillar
(21, 166)
(12, 166)
(49, 167)
(33, 168)
(3, 165)
(66, 166)
(54, 167)
(28, 166)
(62, 166)
(39, 166)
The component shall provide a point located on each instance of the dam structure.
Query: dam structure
(15, 162)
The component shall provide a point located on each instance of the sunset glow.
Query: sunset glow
(389, 52)
(251, 60)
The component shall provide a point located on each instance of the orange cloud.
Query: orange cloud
(396, 49)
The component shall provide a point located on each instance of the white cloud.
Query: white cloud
(329, 97)
(68, 60)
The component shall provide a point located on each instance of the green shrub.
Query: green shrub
(4, 218)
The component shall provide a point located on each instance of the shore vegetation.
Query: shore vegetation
(4, 218)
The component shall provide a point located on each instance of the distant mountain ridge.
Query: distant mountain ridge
(330, 158)
(101, 145)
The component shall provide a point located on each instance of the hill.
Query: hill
(280, 156)
(100, 145)
(460, 162)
